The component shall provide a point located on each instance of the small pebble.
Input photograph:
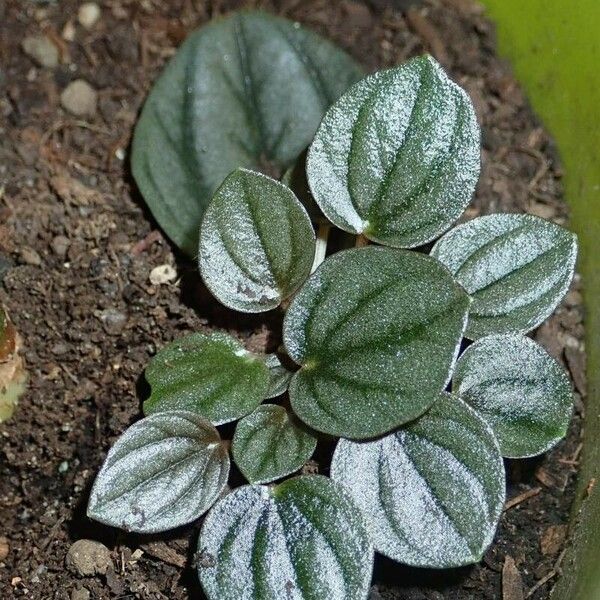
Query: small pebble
(60, 244)
(88, 557)
(89, 14)
(79, 98)
(59, 349)
(68, 32)
(163, 274)
(30, 257)
(43, 52)
(113, 321)
(80, 594)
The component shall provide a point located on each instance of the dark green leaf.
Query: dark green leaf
(376, 331)
(257, 243)
(164, 471)
(517, 268)
(433, 491)
(212, 375)
(396, 158)
(303, 539)
(268, 445)
(279, 375)
(248, 90)
(519, 389)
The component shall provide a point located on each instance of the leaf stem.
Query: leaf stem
(361, 241)
(321, 246)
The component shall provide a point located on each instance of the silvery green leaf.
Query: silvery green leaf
(166, 470)
(376, 332)
(257, 243)
(247, 90)
(517, 268)
(302, 539)
(519, 389)
(212, 375)
(268, 444)
(397, 157)
(433, 491)
(279, 375)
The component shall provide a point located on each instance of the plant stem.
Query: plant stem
(361, 241)
(321, 246)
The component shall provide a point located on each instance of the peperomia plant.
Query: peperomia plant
(375, 334)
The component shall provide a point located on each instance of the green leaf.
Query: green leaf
(279, 375)
(397, 157)
(268, 445)
(519, 389)
(166, 470)
(517, 268)
(376, 331)
(257, 243)
(211, 375)
(303, 539)
(433, 491)
(248, 90)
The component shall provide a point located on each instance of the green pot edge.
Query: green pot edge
(555, 51)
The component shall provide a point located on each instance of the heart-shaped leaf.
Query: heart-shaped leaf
(257, 243)
(396, 158)
(166, 470)
(279, 375)
(376, 331)
(517, 268)
(433, 491)
(268, 445)
(248, 90)
(519, 389)
(303, 539)
(212, 375)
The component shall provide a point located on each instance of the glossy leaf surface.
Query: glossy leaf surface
(211, 375)
(397, 157)
(517, 268)
(166, 470)
(433, 491)
(257, 243)
(248, 90)
(376, 332)
(519, 389)
(303, 539)
(279, 376)
(268, 444)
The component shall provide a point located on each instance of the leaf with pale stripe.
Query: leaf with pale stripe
(165, 471)
(257, 243)
(268, 444)
(212, 375)
(433, 491)
(517, 268)
(519, 389)
(303, 539)
(397, 157)
(376, 332)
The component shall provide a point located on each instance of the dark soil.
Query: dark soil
(77, 247)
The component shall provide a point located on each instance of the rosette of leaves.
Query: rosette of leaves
(373, 337)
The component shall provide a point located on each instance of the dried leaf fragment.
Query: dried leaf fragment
(12, 369)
